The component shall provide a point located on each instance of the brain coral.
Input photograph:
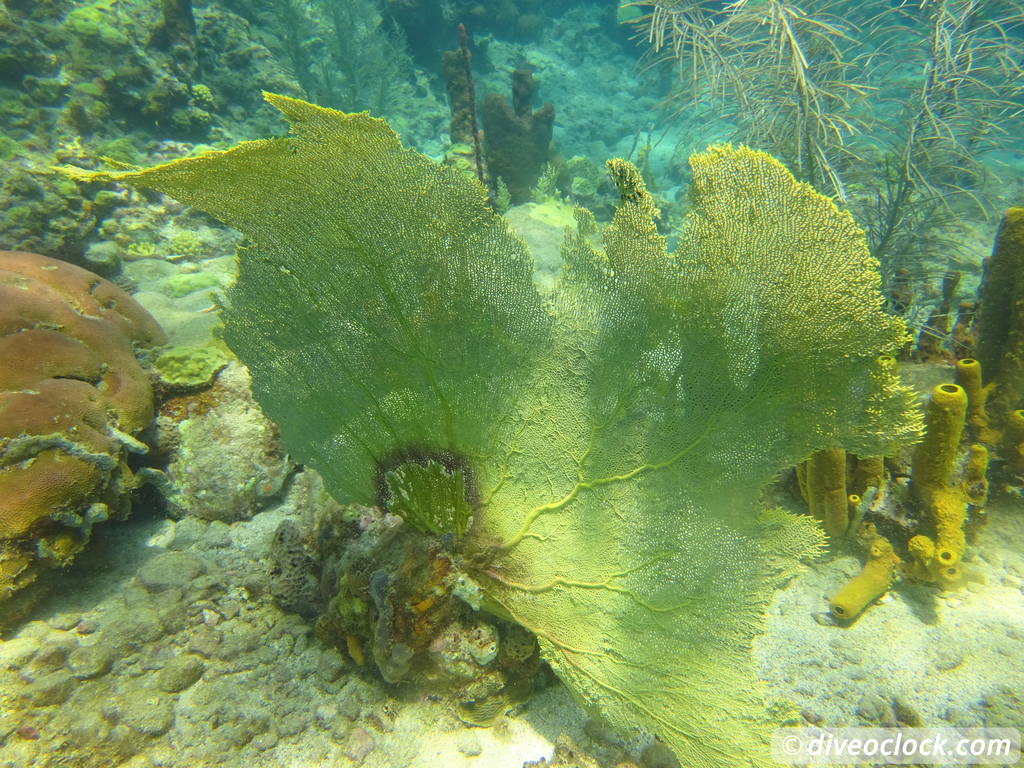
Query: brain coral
(72, 398)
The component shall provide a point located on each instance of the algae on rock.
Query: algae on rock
(611, 438)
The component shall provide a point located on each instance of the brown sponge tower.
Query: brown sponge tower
(516, 138)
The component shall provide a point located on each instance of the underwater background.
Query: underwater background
(321, 452)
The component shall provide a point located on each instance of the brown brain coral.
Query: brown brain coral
(72, 398)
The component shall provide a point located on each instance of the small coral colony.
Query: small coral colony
(450, 539)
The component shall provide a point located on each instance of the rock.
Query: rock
(325, 714)
(218, 535)
(292, 625)
(963, 718)
(238, 638)
(229, 608)
(131, 629)
(49, 689)
(330, 666)
(147, 712)
(229, 648)
(350, 705)
(227, 461)
(104, 258)
(180, 673)
(905, 714)
(948, 656)
(52, 655)
(810, 716)
(264, 741)
(17, 652)
(90, 661)
(874, 709)
(469, 744)
(204, 585)
(657, 755)
(205, 642)
(162, 756)
(171, 610)
(134, 595)
(292, 723)
(64, 621)
(187, 533)
(360, 744)
(86, 627)
(237, 734)
(170, 570)
(1004, 708)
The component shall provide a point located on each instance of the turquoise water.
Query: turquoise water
(325, 452)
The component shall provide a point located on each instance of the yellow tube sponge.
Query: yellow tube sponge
(975, 482)
(932, 473)
(826, 490)
(922, 554)
(968, 376)
(949, 511)
(874, 579)
(853, 502)
(925, 566)
(935, 457)
(869, 472)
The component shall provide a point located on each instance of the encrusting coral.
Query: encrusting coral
(71, 406)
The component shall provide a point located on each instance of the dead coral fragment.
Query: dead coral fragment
(71, 401)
